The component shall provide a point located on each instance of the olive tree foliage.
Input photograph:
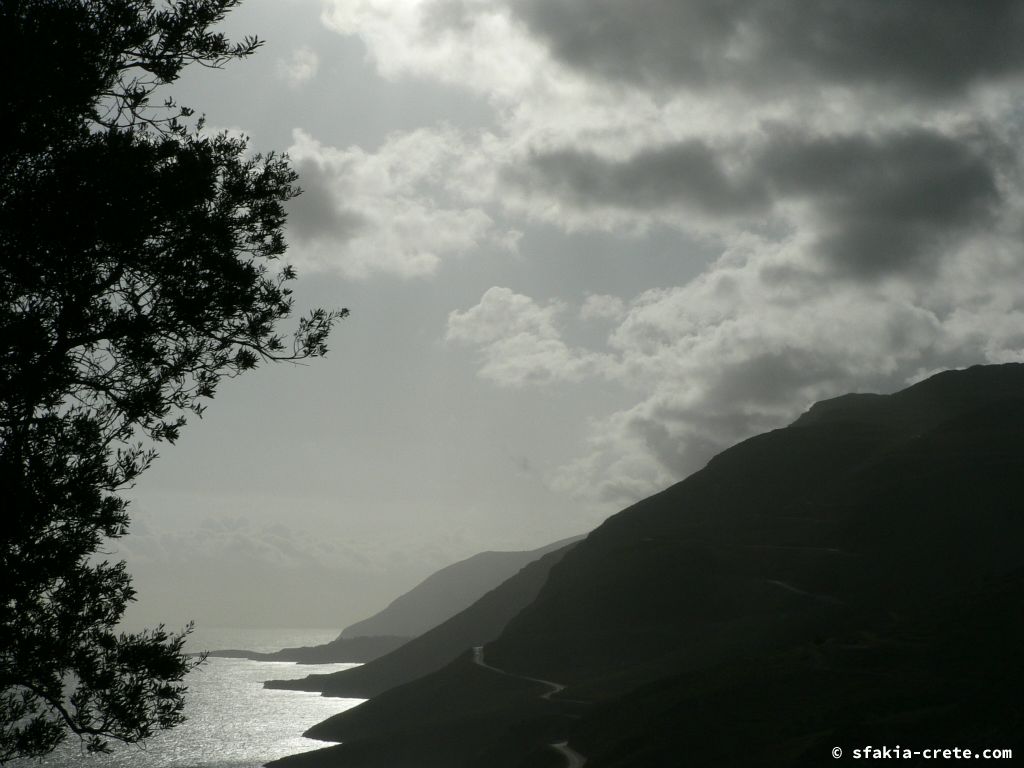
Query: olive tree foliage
(139, 267)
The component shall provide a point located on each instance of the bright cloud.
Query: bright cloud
(302, 66)
(519, 339)
(470, 43)
(401, 210)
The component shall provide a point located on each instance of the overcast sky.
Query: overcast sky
(586, 245)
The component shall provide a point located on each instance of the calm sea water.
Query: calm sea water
(233, 721)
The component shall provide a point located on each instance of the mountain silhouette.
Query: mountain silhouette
(446, 592)
(479, 623)
(855, 573)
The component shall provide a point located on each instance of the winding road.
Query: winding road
(553, 688)
(573, 758)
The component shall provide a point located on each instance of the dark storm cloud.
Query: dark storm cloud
(887, 204)
(688, 173)
(933, 47)
(314, 214)
(879, 204)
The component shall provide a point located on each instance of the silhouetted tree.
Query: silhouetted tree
(136, 257)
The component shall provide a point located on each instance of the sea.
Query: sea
(233, 721)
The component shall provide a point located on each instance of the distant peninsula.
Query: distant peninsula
(355, 649)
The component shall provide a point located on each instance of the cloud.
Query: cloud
(878, 203)
(855, 163)
(733, 353)
(602, 307)
(930, 48)
(884, 203)
(688, 173)
(317, 214)
(502, 313)
(519, 340)
(401, 210)
(302, 66)
(468, 43)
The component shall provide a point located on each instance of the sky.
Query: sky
(586, 244)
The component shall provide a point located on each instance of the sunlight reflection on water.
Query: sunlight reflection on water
(233, 721)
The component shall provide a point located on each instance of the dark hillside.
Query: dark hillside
(946, 676)
(854, 577)
(845, 516)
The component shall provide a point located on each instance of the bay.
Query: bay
(233, 721)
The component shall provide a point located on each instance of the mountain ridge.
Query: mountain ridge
(446, 592)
